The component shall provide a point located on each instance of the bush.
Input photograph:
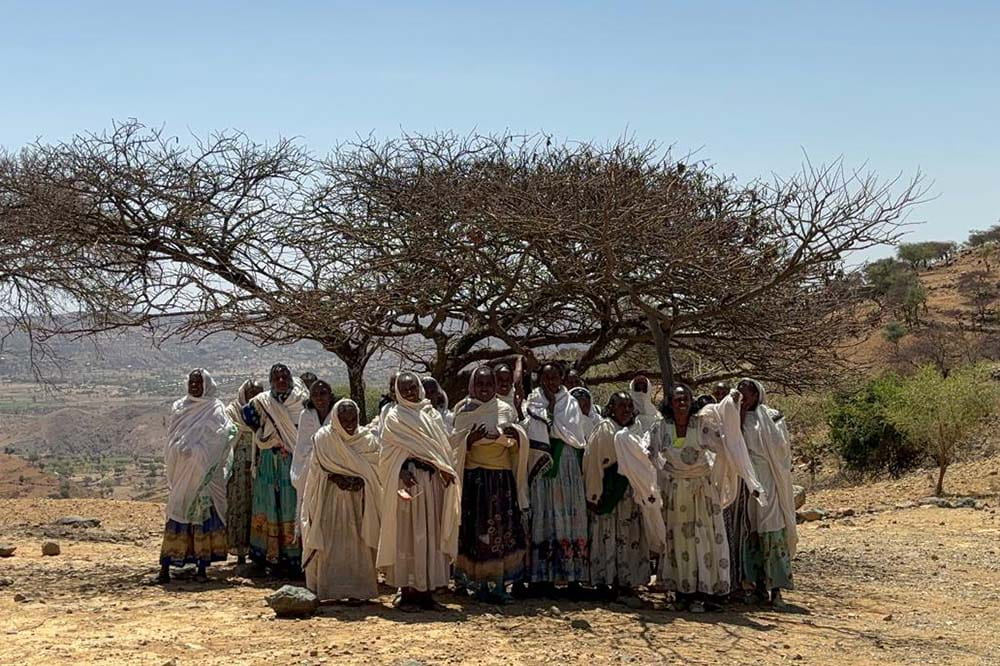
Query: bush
(862, 435)
(941, 414)
(807, 418)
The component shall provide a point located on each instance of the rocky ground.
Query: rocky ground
(893, 584)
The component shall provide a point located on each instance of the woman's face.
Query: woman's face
(750, 394)
(348, 417)
(624, 411)
(680, 401)
(320, 396)
(433, 392)
(550, 379)
(641, 384)
(281, 380)
(196, 384)
(505, 380)
(408, 387)
(585, 404)
(484, 385)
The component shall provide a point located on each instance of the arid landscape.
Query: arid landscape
(895, 583)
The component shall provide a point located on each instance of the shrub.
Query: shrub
(862, 435)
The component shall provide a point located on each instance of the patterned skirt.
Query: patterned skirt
(272, 527)
(491, 540)
(737, 518)
(559, 551)
(186, 543)
(697, 557)
(766, 560)
(239, 495)
(619, 554)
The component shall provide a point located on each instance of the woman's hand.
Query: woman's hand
(448, 478)
(407, 477)
(476, 434)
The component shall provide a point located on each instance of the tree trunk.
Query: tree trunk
(939, 489)
(356, 381)
(662, 352)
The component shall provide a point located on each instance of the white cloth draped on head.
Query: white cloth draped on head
(415, 430)
(588, 422)
(281, 419)
(309, 425)
(645, 411)
(733, 461)
(197, 448)
(566, 418)
(234, 410)
(495, 415)
(776, 450)
(337, 452)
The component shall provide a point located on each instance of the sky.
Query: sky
(752, 87)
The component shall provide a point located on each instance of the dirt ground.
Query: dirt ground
(916, 585)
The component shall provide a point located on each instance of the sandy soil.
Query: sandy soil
(895, 586)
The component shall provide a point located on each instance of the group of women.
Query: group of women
(503, 495)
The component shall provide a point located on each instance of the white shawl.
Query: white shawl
(645, 411)
(495, 415)
(775, 448)
(415, 430)
(197, 448)
(566, 418)
(336, 452)
(733, 462)
(302, 454)
(279, 420)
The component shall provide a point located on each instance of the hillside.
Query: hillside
(896, 583)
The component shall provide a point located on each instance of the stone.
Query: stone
(78, 521)
(555, 612)
(939, 502)
(50, 548)
(963, 503)
(7, 550)
(799, 493)
(293, 601)
(6, 582)
(635, 603)
(846, 513)
(907, 505)
(810, 515)
(20, 598)
(580, 624)
(412, 662)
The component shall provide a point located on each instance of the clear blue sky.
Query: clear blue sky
(901, 85)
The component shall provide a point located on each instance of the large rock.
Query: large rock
(810, 515)
(799, 493)
(50, 548)
(293, 601)
(7, 550)
(78, 521)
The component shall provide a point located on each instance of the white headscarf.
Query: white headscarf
(645, 411)
(587, 421)
(415, 430)
(337, 452)
(566, 418)
(773, 446)
(197, 448)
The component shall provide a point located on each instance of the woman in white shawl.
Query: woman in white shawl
(769, 545)
(492, 540)
(626, 519)
(239, 486)
(559, 551)
(274, 417)
(316, 413)
(590, 414)
(421, 498)
(641, 392)
(341, 505)
(439, 401)
(507, 389)
(197, 448)
(696, 564)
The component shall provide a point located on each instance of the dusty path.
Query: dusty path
(898, 586)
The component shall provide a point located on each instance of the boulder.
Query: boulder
(78, 521)
(293, 601)
(800, 496)
(50, 548)
(810, 515)
(7, 550)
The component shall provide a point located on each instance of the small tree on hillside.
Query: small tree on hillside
(942, 414)
(979, 237)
